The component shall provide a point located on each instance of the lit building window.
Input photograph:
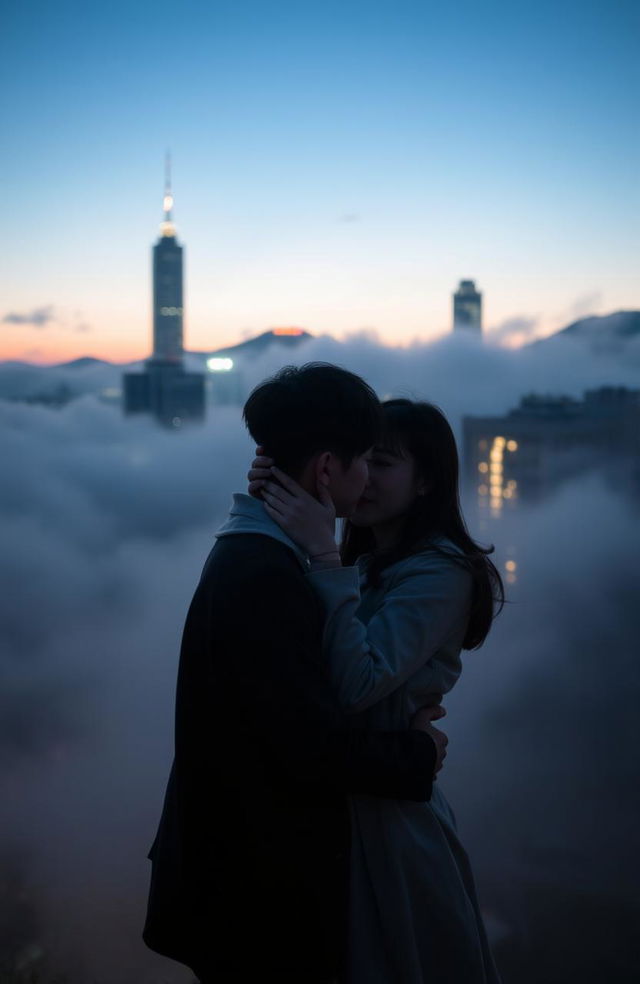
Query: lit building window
(511, 568)
(219, 364)
(496, 469)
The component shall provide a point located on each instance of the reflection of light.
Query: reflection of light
(219, 365)
(170, 311)
(512, 484)
(511, 579)
(287, 331)
(511, 565)
(167, 203)
(495, 456)
(483, 467)
(483, 445)
(508, 494)
(176, 422)
(512, 445)
(483, 489)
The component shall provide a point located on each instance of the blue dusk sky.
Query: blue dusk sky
(337, 166)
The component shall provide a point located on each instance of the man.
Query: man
(250, 863)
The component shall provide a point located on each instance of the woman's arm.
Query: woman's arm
(426, 603)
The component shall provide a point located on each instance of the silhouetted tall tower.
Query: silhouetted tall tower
(467, 308)
(167, 285)
(163, 388)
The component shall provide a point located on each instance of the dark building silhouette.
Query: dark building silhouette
(164, 388)
(167, 290)
(467, 308)
(546, 440)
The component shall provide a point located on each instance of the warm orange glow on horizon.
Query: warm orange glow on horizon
(44, 350)
(112, 338)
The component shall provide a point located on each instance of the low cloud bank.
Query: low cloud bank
(106, 522)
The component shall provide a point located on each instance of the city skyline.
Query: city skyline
(337, 169)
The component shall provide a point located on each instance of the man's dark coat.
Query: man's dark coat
(249, 872)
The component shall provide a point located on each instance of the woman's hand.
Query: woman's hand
(310, 522)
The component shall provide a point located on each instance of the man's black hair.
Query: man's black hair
(316, 407)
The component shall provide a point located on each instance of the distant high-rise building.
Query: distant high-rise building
(167, 285)
(164, 389)
(467, 308)
(545, 441)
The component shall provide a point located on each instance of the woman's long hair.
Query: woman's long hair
(422, 430)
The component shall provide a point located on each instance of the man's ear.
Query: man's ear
(323, 469)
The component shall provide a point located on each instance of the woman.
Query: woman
(395, 624)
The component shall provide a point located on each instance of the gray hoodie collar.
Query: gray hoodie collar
(247, 515)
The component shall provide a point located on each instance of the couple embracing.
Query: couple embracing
(303, 838)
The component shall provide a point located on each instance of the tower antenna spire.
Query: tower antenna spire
(167, 228)
(168, 196)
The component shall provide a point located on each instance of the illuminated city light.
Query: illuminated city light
(288, 331)
(496, 468)
(217, 364)
(511, 567)
(483, 467)
(512, 445)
